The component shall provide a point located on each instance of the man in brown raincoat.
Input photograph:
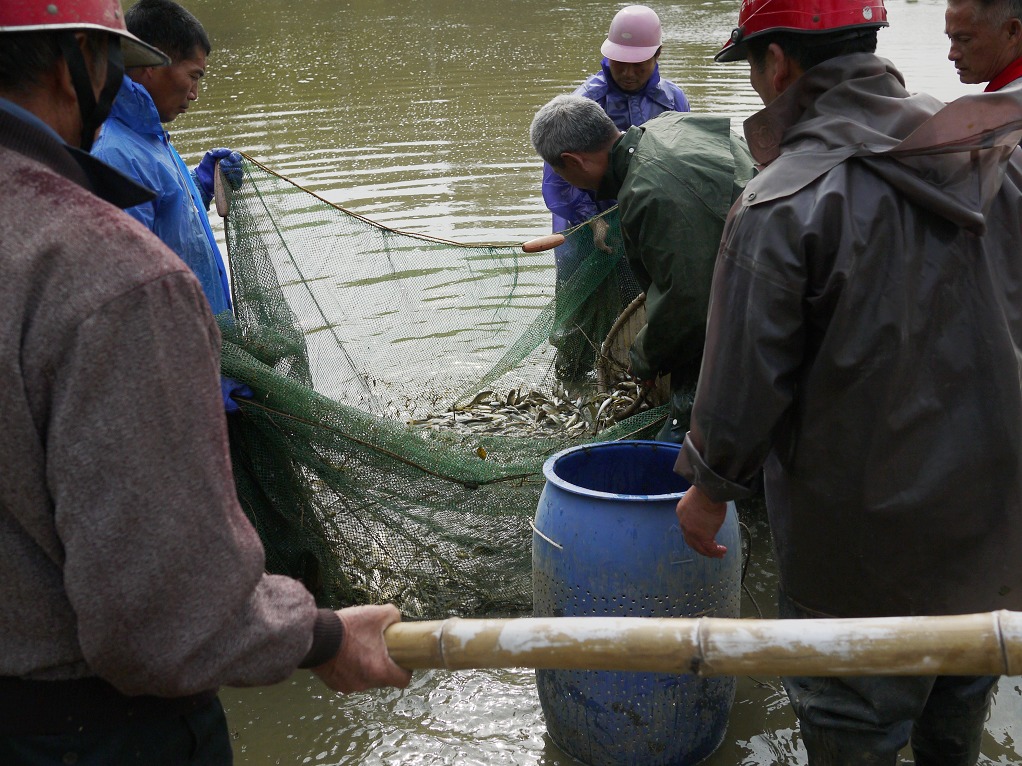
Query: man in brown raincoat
(862, 349)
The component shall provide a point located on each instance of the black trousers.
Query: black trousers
(866, 720)
(197, 738)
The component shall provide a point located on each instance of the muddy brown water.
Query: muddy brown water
(416, 114)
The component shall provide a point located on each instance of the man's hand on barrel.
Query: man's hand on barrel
(700, 519)
(363, 661)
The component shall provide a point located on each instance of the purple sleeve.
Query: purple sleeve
(572, 204)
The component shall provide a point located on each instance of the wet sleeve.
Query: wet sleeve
(755, 341)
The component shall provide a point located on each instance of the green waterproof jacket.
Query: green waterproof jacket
(675, 178)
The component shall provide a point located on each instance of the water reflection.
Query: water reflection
(416, 114)
(420, 119)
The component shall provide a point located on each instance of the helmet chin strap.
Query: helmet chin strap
(93, 111)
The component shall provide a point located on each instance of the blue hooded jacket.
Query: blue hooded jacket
(133, 141)
(570, 205)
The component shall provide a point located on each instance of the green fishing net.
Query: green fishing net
(407, 393)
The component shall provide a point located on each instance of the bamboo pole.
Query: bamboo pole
(971, 644)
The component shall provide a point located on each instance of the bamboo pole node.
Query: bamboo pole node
(1010, 639)
(696, 665)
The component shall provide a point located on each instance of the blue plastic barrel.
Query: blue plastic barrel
(607, 543)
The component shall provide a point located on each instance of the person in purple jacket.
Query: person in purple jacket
(631, 91)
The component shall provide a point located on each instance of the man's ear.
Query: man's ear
(143, 75)
(62, 72)
(573, 160)
(1014, 30)
(785, 69)
(62, 78)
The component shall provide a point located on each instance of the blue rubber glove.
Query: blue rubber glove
(230, 388)
(230, 163)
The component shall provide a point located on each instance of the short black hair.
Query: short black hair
(166, 25)
(26, 56)
(810, 49)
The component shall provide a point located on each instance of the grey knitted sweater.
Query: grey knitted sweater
(123, 551)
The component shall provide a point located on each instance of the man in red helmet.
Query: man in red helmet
(132, 584)
(986, 40)
(861, 357)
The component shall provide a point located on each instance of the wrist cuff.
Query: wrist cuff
(327, 634)
(206, 198)
(691, 466)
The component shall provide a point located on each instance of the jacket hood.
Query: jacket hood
(650, 90)
(135, 107)
(949, 159)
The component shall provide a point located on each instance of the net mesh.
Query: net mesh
(407, 392)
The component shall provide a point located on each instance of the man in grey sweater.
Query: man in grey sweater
(133, 584)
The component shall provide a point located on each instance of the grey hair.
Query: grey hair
(570, 124)
(997, 11)
(1012, 9)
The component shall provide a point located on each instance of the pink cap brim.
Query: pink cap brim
(627, 53)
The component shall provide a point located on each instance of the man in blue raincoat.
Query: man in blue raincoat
(134, 141)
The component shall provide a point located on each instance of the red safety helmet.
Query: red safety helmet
(757, 17)
(103, 15)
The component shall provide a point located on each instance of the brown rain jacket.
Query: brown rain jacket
(864, 344)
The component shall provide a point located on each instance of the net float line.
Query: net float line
(539, 244)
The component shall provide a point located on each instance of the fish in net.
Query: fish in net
(407, 391)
